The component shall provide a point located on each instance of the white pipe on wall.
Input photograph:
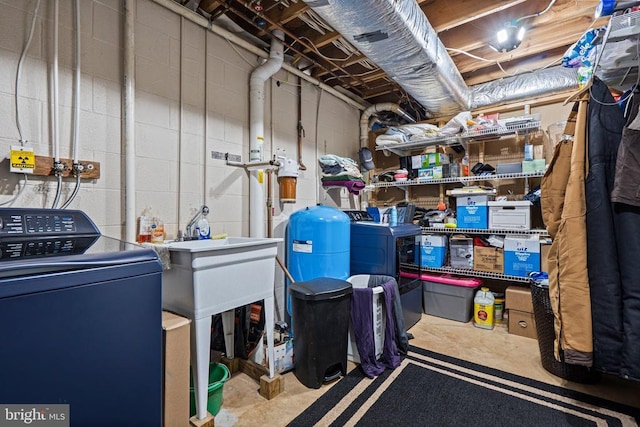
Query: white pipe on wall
(128, 121)
(204, 22)
(256, 132)
(383, 106)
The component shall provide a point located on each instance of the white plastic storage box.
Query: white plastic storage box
(472, 211)
(448, 296)
(379, 321)
(431, 250)
(461, 252)
(509, 215)
(521, 254)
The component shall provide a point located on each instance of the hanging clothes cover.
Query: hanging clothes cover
(613, 234)
(564, 210)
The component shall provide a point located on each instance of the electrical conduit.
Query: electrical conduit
(77, 168)
(128, 119)
(256, 132)
(57, 166)
(23, 55)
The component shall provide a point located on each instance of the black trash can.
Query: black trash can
(320, 322)
(543, 314)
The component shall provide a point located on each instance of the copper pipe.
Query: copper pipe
(289, 276)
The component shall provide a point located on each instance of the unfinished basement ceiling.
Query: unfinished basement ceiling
(319, 49)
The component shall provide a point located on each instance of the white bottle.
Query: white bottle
(204, 231)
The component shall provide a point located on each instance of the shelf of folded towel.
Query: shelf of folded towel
(404, 143)
(352, 184)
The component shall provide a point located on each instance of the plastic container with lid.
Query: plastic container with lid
(483, 306)
(446, 296)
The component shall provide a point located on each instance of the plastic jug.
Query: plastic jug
(483, 305)
(393, 220)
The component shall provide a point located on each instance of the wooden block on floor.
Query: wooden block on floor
(253, 369)
(232, 364)
(205, 422)
(271, 387)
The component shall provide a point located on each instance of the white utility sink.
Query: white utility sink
(213, 244)
(208, 277)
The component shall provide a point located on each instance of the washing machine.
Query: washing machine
(80, 320)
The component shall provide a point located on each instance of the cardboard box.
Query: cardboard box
(510, 215)
(176, 342)
(545, 246)
(472, 211)
(425, 174)
(282, 356)
(432, 250)
(522, 323)
(461, 252)
(488, 258)
(518, 298)
(434, 159)
(531, 166)
(521, 255)
(438, 172)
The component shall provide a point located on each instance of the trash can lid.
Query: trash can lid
(322, 288)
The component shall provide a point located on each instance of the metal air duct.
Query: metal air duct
(396, 35)
(524, 85)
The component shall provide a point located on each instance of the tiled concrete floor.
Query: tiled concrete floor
(243, 406)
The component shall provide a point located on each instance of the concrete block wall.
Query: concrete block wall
(191, 98)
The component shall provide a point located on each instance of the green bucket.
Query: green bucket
(218, 375)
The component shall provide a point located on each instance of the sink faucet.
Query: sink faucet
(191, 229)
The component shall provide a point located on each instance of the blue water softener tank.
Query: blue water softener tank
(318, 243)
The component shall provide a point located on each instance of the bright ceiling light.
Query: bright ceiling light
(509, 37)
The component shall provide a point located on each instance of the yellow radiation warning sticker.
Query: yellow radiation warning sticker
(22, 159)
(261, 176)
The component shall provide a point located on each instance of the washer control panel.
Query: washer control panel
(17, 222)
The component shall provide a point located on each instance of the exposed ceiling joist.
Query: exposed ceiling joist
(467, 25)
(444, 16)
